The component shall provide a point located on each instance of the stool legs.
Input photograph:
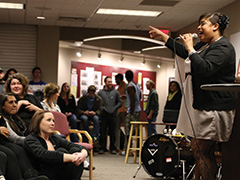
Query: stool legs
(138, 138)
(129, 143)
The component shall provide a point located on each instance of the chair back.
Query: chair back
(61, 123)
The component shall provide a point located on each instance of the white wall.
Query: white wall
(67, 55)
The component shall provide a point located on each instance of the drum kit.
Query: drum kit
(168, 156)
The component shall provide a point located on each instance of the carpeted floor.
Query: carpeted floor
(113, 167)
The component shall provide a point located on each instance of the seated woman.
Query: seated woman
(171, 109)
(67, 104)
(52, 155)
(27, 103)
(11, 132)
(51, 93)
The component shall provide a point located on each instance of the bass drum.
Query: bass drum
(160, 156)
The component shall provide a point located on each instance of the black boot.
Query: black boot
(32, 174)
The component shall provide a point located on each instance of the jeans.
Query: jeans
(95, 120)
(152, 127)
(73, 121)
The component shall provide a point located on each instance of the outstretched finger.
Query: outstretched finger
(152, 28)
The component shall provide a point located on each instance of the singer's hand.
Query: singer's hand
(188, 41)
(157, 34)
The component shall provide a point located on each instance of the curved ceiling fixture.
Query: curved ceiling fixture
(153, 48)
(125, 37)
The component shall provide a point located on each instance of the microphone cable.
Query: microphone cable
(185, 104)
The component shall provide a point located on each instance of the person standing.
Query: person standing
(36, 86)
(212, 61)
(121, 117)
(134, 95)
(152, 107)
(111, 103)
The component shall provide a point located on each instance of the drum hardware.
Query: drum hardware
(163, 156)
(138, 168)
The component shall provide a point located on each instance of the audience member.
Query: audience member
(52, 155)
(152, 107)
(27, 103)
(9, 72)
(36, 86)
(12, 129)
(111, 103)
(89, 109)
(66, 102)
(173, 103)
(134, 96)
(1, 81)
(174, 96)
(121, 116)
(51, 93)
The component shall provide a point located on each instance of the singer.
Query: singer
(211, 112)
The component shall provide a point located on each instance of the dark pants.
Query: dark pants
(3, 163)
(13, 171)
(108, 124)
(62, 171)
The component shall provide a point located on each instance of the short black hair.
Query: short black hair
(36, 68)
(119, 76)
(129, 75)
(105, 79)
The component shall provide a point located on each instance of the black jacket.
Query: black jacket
(213, 65)
(71, 107)
(40, 155)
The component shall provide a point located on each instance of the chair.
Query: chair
(62, 128)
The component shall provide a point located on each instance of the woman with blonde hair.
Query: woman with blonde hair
(51, 93)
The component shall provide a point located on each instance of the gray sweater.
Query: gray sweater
(111, 100)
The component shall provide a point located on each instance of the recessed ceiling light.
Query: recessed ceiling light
(11, 5)
(41, 17)
(126, 12)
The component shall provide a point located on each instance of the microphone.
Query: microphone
(194, 35)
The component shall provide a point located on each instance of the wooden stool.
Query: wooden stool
(138, 126)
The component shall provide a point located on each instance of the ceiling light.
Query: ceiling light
(121, 59)
(99, 55)
(125, 37)
(41, 17)
(11, 5)
(144, 61)
(79, 54)
(159, 65)
(126, 12)
(78, 43)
